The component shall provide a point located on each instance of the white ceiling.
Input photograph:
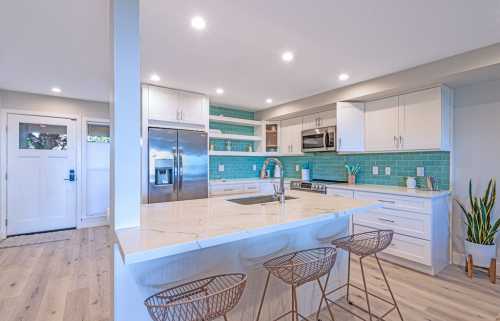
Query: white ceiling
(65, 43)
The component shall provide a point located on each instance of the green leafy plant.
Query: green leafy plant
(352, 169)
(480, 230)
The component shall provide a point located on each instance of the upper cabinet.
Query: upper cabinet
(381, 124)
(173, 106)
(416, 121)
(350, 126)
(291, 136)
(323, 119)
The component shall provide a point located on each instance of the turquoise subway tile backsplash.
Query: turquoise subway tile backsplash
(325, 165)
(230, 112)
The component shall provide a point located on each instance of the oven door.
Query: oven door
(314, 140)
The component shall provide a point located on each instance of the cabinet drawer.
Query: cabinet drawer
(405, 247)
(252, 188)
(226, 189)
(408, 203)
(339, 192)
(401, 222)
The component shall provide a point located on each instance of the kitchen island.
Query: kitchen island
(186, 240)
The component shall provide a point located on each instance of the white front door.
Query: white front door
(41, 174)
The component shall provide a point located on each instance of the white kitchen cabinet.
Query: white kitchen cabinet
(382, 125)
(318, 120)
(174, 106)
(420, 120)
(291, 136)
(424, 120)
(192, 108)
(163, 103)
(350, 121)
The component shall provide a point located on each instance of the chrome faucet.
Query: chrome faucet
(281, 192)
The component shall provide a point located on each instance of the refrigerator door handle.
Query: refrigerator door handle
(181, 169)
(174, 152)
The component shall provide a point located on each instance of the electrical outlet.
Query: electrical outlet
(254, 167)
(420, 172)
(375, 170)
(297, 168)
(220, 168)
(388, 171)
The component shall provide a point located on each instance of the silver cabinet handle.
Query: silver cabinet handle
(401, 141)
(386, 220)
(386, 201)
(340, 141)
(396, 143)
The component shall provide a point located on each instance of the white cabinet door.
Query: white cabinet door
(327, 118)
(350, 126)
(291, 136)
(163, 104)
(310, 122)
(421, 120)
(381, 125)
(191, 108)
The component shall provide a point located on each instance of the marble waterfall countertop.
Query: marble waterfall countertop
(177, 227)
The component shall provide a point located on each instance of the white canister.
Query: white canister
(306, 174)
(411, 182)
(277, 171)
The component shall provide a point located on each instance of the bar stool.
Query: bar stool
(296, 269)
(201, 300)
(363, 245)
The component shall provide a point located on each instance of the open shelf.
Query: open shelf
(235, 137)
(236, 121)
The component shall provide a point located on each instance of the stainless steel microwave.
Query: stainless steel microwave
(319, 139)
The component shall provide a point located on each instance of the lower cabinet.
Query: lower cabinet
(258, 186)
(420, 227)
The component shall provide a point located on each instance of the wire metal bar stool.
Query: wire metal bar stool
(200, 300)
(296, 269)
(363, 245)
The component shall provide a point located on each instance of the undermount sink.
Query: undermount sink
(261, 199)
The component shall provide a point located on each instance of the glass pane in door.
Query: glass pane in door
(43, 136)
(98, 133)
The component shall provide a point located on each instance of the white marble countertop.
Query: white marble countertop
(395, 190)
(247, 180)
(177, 227)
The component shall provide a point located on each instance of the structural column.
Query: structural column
(125, 109)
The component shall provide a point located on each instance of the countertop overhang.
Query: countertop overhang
(177, 227)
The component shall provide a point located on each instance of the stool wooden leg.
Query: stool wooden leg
(470, 267)
(492, 271)
(263, 296)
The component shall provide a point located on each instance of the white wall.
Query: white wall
(52, 104)
(476, 148)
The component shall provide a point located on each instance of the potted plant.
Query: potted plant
(480, 242)
(352, 171)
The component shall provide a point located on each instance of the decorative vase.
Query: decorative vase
(481, 254)
(351, 179)
(411, 182)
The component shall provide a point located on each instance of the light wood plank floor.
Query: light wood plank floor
(71, 281)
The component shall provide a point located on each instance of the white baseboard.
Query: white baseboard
(93, 222)
(459, 259)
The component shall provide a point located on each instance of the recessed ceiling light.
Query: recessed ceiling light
(56, 90)
(287, 56)
(269, 100)
(154, 77)
(343, 77)
(198, 23)
(219, 91)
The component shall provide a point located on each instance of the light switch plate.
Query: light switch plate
(420, 172)
(220, 168)
(388, 171)
(297, 168)
(375, 170)
(254, 167)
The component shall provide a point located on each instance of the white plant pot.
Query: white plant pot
(481, 254)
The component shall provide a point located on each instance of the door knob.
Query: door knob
(71, 176)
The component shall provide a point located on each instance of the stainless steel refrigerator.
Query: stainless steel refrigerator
(178, 165)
